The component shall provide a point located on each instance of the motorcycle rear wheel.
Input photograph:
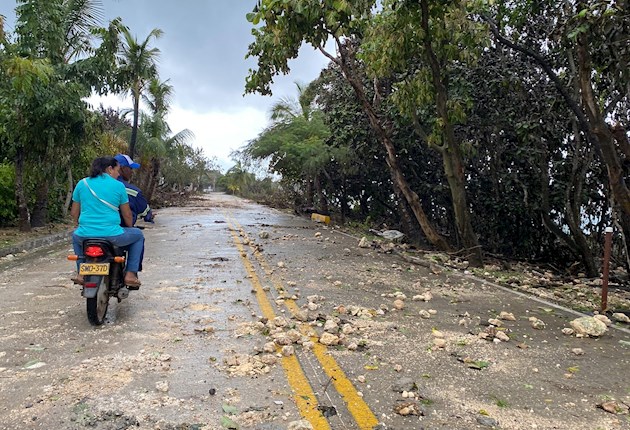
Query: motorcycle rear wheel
(97, 306)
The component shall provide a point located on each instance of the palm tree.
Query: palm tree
(296, 143)
(138, 67)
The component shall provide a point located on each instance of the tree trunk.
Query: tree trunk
(403, 211)
(603, 136)
(576, 242)
(153, 178)
(134, 128)
(451, 154)
(322, 202)
(66, 206)
(39, 217)
(392, 158)
(20, 197)
(309, 193)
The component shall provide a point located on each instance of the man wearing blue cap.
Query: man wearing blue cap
(138, 204)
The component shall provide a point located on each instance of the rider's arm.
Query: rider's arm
(75, 211)
(127, 216)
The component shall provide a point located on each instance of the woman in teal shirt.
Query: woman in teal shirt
(97, 203)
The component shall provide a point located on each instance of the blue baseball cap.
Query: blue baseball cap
(126, 161)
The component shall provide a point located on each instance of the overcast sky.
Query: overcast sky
(203, 54)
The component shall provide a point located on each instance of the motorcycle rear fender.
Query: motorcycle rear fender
(90, 292)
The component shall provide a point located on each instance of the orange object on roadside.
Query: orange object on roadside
(320, 218)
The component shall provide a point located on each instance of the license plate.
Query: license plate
(94, 269)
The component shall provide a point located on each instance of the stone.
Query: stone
(162, 386)
(502, 336)
(263, 235)
(487, 421)
(604, 319)
(424, 314)
(364, 243)
(589, 326)
(300, 425)
(331, 326)
(399, 304)
(329, 339)
(621, 317)
(507, 316)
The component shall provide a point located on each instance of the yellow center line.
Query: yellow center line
(304, 396)
(363, 415)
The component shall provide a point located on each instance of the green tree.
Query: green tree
(286, 26)
(583, 51)
(295, 144)
(44, 116)
(438, 36)
(138, 65)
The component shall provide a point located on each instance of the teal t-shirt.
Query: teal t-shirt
(98, 219)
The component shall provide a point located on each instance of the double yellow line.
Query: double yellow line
(303, 393)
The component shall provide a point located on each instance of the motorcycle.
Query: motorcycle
(103, 277)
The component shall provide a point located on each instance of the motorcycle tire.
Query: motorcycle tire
(97, 306)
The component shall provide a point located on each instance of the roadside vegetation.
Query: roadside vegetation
(480, 128)
(60, 53)
(484, 128)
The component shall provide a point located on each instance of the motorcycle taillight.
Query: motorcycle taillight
(94, 251)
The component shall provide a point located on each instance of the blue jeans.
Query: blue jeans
(132, 240)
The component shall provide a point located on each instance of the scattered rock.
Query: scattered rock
(568, 331)
(495, 322)
(502, 336)
(621, 317)
(408, 408)
(300, 425)
(364, 243)
(604, 319)
(614, 407)
(263, 235)
(288, 350)
(424, 314)
(578, 351)
(162, 386)
(439, 342)
(331, 326)
(589, 326)
(507, 316)
(329, 339)
(399, 304)
(536, 323)
(487, 421)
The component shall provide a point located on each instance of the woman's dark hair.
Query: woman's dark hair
(101, 164)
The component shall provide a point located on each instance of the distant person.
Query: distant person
(98, 202)
(138, 204)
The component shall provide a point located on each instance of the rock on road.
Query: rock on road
(224, 333)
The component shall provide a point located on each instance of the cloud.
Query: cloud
(219, 133)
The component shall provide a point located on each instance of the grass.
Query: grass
(500, 402)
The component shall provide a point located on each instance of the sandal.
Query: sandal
(133, 283)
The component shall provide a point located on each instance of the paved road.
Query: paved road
(224, 277)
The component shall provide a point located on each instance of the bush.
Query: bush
(8, 208)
